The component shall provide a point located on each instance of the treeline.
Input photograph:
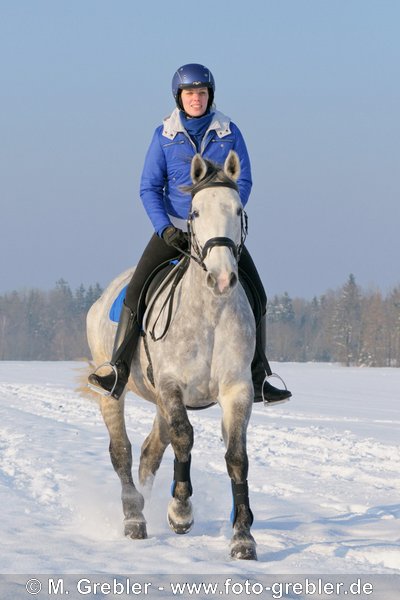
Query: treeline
(349, 325)
(37, 325)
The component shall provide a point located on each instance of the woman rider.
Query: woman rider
(194, 126)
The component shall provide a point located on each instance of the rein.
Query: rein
(169, 301)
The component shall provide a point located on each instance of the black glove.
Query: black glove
(175, 237)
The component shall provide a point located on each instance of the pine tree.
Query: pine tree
(346, 323)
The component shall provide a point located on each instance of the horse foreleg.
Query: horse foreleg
(121, 459)
(236, 404)
(153, 449)
(170, 401)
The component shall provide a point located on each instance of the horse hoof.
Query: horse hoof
(244, 552)
(180, 516)
(180, 528)
(244, 548)
(136, 530)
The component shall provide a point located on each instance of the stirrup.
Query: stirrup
(265, 401)
(100, 390)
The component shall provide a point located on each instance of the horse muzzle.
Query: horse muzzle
(221, 284)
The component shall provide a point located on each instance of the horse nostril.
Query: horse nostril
(211, 280)
(221, 283)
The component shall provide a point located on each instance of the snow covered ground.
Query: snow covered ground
(324, 480)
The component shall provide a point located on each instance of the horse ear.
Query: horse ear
(232, 165)
(198, 168)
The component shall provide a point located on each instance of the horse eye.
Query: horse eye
(194, 214)
(239, 211)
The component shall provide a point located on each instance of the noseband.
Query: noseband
(220, 241)
(226, 242)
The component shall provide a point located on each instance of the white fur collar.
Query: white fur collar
(172, 125)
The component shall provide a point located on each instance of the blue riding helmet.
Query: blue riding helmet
(191, 76)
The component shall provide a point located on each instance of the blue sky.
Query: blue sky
(314, 86)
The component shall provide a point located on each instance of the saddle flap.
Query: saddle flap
(170, 274)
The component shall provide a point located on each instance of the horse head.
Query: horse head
(217, 221)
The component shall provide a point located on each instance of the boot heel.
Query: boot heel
(125, 343)
(102, 384)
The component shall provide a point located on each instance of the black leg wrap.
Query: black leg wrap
(182, 474)
(240, 494)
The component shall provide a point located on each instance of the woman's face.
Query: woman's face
(194, 101)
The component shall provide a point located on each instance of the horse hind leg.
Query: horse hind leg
(121, 458)
(153, 449)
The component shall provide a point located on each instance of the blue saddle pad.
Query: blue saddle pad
(151, 284)
(116, 308)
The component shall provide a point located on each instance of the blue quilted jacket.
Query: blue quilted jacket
(167, 166)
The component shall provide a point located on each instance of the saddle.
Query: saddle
(152, 284)
(161, 276)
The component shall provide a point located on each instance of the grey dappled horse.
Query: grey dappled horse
(204, 357)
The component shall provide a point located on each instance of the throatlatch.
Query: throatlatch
(240, 495)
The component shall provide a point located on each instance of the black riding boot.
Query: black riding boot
(125, 343)
(263, 390)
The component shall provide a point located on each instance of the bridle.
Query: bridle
(199, 253)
